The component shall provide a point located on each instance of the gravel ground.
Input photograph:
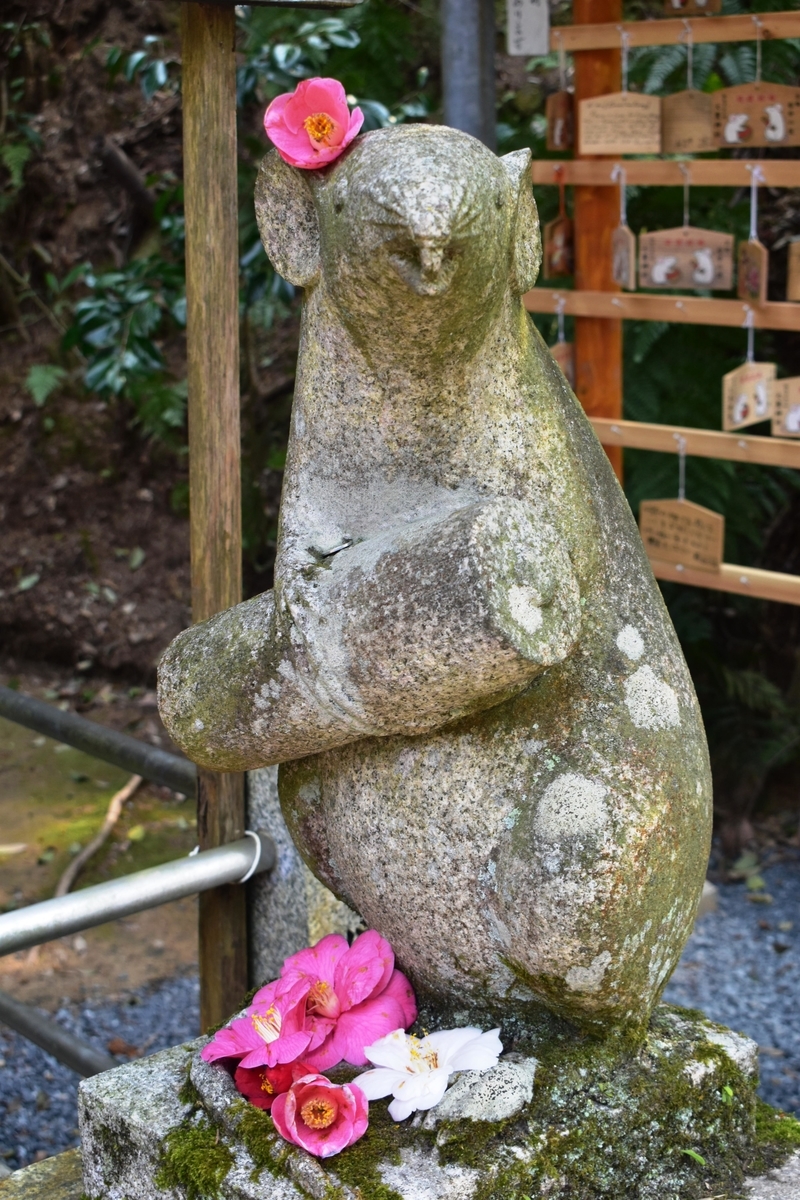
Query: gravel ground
(741, 967)
(38, 1114)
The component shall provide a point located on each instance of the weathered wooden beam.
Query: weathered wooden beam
(699, 443)
(598, 343)
(212, 293)
(703, 172)
(609, 307)
(607, 35)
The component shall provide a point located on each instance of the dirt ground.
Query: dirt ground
(52, 801)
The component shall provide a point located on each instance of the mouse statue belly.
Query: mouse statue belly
(490, 743)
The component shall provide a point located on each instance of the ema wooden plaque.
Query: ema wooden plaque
(564, 354)
(784, 396)
(559, 248)
(623, 257)
(686, 258)
(793, 271)
(560, 114)
(746, 396)
(692, 8)
(757, 114)
(621, 123)
(687, 123)
(752, 272)
(678, 531)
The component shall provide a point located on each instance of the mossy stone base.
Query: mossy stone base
(676, 1116)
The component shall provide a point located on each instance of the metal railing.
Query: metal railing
(234, 862)
(159, 766)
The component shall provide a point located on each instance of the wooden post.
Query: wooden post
(598, 341)
(212, 292)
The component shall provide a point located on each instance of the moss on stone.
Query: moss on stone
(358, 1165)
(195, 1159)
(264, 1145)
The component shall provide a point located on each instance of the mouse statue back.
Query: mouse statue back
(490, 744)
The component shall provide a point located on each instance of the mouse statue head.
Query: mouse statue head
(415, 230)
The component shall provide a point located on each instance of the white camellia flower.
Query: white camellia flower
(416, 1070)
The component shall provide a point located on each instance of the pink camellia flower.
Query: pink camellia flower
(272, 1032)
(354, 996)
(320, 1116)
(311, 126)
(262, 1085)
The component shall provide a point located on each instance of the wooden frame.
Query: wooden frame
(744, 581)
(699, 443)
(682, 310)
(703, 172)
(671, 32)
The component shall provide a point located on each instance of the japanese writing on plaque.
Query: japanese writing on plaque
(677, 531)
(528, 27)
(621, 123)
(785, 397)
(687, 122)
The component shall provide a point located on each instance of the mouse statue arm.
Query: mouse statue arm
(408, 592)
(400, 633)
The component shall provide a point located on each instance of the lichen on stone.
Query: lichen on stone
(194, 1159)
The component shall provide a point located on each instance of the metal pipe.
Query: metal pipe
(37, 923)
(42, 1029)
(468, 89)
(170, 770)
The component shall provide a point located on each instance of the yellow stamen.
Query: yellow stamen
(319, 127)
(268, 1026)
(266, 1086)
(318, 1113)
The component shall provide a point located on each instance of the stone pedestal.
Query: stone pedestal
(560, 1116)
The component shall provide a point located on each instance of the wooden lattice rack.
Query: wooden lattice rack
(608, 304)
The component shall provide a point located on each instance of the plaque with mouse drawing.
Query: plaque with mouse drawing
(746, 398)
(757, 114)
(784, 396)
(686, 258)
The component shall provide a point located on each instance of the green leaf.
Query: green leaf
(137, 833)
(136, 559)
(42, 380)
(697, 1157)
(14, 155)
(27, 582)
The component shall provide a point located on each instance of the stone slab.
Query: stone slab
(56, 1178)
(128, 1114)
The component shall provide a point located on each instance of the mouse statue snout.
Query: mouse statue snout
(427, 264)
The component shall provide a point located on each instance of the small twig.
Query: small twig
(112, 816)
(23, 283)
(117, 164)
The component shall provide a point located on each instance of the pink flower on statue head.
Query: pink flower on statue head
(320, 1116)
(311, 126)
(353, 994)
(272, 1032)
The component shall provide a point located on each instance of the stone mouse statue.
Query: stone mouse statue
(490, 743)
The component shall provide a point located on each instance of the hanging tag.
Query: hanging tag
(560, 115)
(752, 272)
(564, 354)
(746, 395)
(558, 254)
(621, 123)
(678, 531)
(793, 271)
(692, 8)
(757, 114)
(687, 123)
(784, 397)
(686, 258)
(528, 27)
(623, 257)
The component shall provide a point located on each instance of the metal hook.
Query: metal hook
(681, 440)
(687, 179)
(687, 33)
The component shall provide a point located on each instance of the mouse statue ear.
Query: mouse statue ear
(287, 220)
(527, 256)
